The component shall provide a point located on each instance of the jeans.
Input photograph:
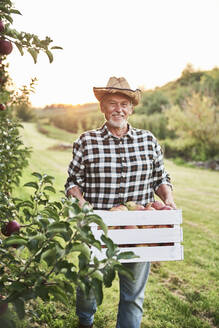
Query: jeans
(130, 307)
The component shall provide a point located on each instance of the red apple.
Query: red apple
(166, 207)
(157, 205)
(3, 306)
(2, 27)
(2, 107)
(5, 47)
(10, 228)
(131, 227)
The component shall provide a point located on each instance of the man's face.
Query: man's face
(116, 109)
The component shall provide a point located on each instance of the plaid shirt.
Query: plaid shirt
(110, 171)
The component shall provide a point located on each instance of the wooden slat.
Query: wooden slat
(134, 236)
(115, 218)
(150, 254)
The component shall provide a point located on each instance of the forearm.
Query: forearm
(165, 193)
(75, 192)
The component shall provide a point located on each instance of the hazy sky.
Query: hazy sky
(147, 41)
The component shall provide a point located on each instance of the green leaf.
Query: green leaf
(20, 48)
(36, 241)
(43, 292)
(50, 56)
(33, 53)
(96, 219)
(15, 241)
(48, 178)
(32, 185)
(82, 248)
(58, 227)
(126, 255)
(9, 18)
(26, 203)
(108, 276)
(97, 275)
(111, 247)
(50, 188)
(38, 175)
(15, 11)
(4, 9)
(56, 47)
(98, 290)
(49, 256)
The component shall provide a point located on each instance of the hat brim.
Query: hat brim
(135, 95)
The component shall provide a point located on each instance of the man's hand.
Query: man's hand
(75, 192)
(170, 203)
(165, 193)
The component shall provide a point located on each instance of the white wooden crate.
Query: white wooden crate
(154, 242)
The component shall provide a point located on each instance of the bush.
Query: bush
(152, 102)
(196, 123)
(185, 149)
(24, 113)
(156, 123)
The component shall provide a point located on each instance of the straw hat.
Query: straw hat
(118, 85)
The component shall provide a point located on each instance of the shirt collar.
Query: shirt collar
(105, 133)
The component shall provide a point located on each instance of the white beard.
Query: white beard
(121, 124)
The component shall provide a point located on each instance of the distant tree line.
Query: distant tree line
(183, 115)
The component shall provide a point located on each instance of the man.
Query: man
(113, 165)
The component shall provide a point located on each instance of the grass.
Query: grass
(183, 294)
(55, 133)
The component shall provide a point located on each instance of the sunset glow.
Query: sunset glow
(148, 42)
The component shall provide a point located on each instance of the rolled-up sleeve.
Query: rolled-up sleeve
(76, 168)
(160, 176)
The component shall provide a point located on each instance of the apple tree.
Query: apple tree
(45, 250)
(45, 246)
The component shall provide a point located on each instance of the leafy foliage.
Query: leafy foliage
(51, 253)
(197, 124)
(153, 102)
(20, 102)
(13, 154)
(23, 40)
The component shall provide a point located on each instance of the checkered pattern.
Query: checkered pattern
(111, 171)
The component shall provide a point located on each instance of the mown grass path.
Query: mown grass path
(183, 294)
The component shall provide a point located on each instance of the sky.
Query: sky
(149, 42)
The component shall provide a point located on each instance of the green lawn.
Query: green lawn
(183, 294)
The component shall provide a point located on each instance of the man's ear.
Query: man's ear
(101, 107)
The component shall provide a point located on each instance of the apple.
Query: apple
(166, 207)
(3, 306)
(132, 206)
(147, 226)
(131, 227)
(2, 107)
(157, 205)
(2, 27)
(149, 207)
(5, 47)
(10, 228)
(119, 208)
